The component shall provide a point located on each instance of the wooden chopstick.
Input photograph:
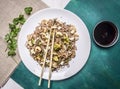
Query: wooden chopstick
(51, 56)
(40, 80)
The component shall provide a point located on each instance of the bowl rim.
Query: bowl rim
(115, 39)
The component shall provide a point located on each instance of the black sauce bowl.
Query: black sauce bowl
(105, 34)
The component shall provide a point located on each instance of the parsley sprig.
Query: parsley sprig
(15, 27)
(28, 10)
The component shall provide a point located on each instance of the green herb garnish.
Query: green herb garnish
(15, 26)
(16, 21)
(12, 26)
(21, 19)
(28, 10)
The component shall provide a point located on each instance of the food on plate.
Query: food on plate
(64, 48)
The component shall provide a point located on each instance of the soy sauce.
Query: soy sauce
(105, 33)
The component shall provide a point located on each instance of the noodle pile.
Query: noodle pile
(64, 48)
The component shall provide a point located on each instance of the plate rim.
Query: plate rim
(89, 50)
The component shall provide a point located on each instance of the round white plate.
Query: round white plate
(83, 44)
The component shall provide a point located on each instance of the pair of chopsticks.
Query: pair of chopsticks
(51, 55)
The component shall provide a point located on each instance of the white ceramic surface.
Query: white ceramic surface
(83, 44)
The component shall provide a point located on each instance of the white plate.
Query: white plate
(83, 44)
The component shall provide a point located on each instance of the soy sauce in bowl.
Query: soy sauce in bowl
(105, 34)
